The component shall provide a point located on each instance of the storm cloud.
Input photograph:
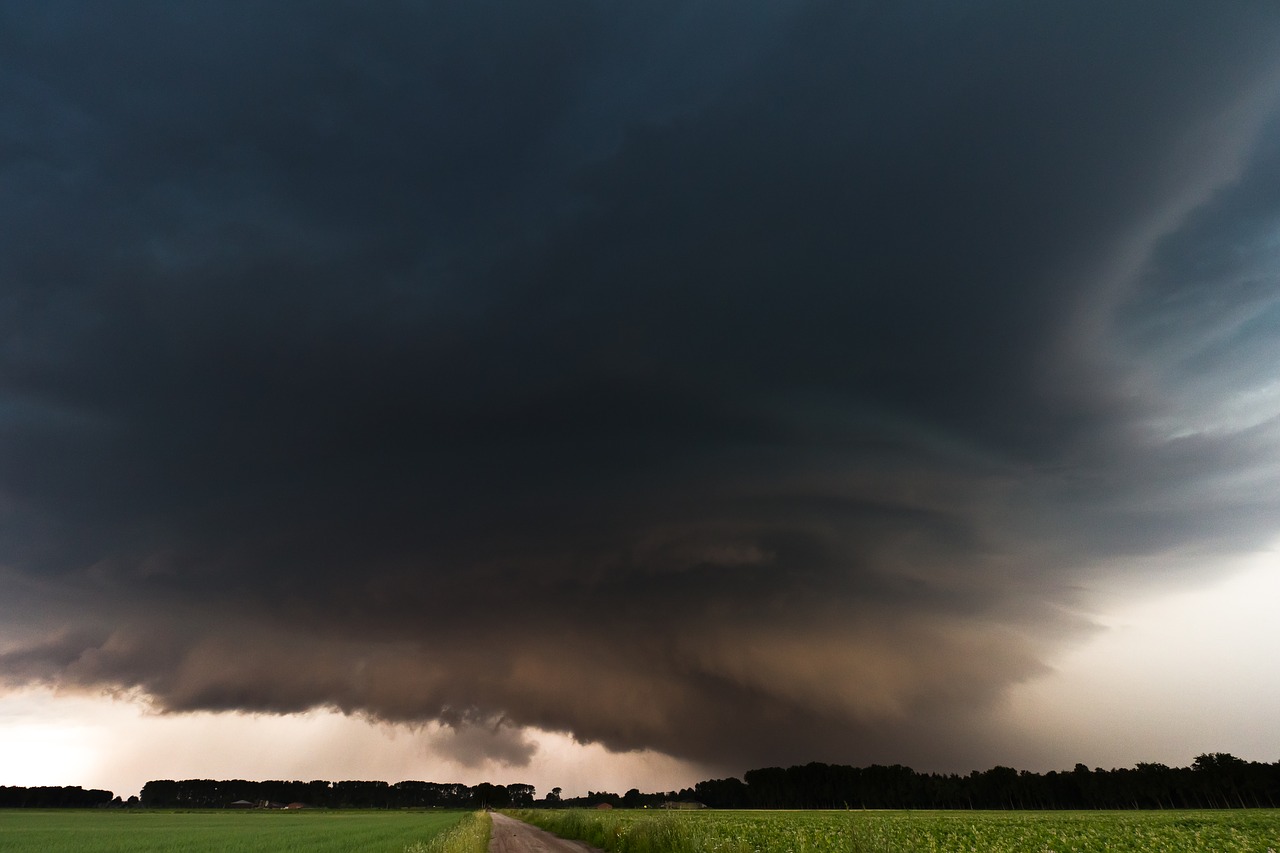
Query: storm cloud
(750, 383)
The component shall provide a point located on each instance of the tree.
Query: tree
(520, 795)
(492, 796)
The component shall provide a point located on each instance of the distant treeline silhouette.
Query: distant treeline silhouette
(1216, 780)
(1213, 781)
(55, 797)
(211, 793)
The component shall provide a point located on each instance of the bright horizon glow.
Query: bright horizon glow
(1143, 687)
(51, 738)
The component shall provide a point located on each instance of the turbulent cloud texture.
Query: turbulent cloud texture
(751, 383)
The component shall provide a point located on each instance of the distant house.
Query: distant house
(296, 806)
(604, 807)
(242, 804)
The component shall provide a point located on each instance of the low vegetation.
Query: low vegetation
(469, 835)
(1253, 831)
(226, 831)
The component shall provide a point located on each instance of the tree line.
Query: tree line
(52, 797)
(212, 793)
(1213, 781)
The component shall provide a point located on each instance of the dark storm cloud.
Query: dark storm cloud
(749, 384)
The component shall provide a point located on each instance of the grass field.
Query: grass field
(918, 832)
(59, 831)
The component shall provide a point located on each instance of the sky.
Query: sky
(607, 395)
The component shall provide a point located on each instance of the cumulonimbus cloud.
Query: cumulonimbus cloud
(442, 365)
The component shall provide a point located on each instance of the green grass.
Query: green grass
(124, 831)
(1254, 831)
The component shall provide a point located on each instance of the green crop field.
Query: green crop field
(124, 831)
(918, 832)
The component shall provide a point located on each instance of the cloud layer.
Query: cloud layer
(748, 384)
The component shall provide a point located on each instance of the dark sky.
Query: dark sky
(751, 382)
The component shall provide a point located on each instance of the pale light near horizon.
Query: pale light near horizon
(1166, 678)
(52, 738)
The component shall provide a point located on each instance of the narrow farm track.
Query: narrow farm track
(513, 836)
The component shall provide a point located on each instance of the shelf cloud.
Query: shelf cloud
(750, 384)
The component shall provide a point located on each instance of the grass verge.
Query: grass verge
(469, 835)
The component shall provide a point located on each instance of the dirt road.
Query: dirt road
(512, 836)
